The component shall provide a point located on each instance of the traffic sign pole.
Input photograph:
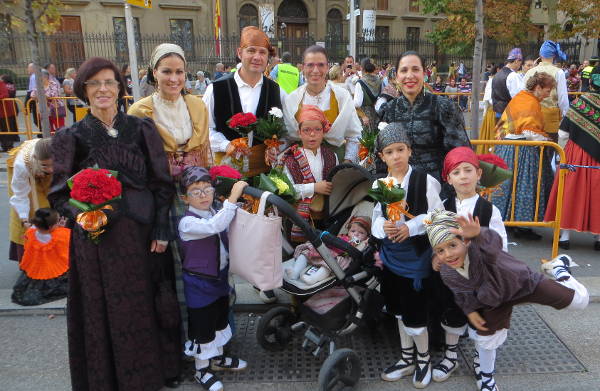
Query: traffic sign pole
(132, 51)
(352, 30)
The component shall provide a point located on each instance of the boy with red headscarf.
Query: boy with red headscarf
(309, 163)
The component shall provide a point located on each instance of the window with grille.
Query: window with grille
(120, 34)
(248, 16)
(413, 6)
(182, 33)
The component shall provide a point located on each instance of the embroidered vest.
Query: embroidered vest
(202, 257)
(292, 164)
(227, 102)
(483, 209)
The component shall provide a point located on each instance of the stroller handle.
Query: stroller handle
(288, 210)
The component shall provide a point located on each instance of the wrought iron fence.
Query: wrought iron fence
(67, 50)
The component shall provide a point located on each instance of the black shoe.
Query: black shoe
(564, 244)
(526, 233)
(173, 382)
(597, 245)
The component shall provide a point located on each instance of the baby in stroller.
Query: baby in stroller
(310, 267)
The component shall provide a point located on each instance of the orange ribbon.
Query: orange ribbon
(363, 152)
(396, 209)
(273, 142)
(487, 192)
(93, 221)
(240, 146)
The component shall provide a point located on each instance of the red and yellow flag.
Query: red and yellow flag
(218, 27)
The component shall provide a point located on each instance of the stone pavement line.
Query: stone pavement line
(532, 348)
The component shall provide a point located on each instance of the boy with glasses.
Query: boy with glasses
(203, 236)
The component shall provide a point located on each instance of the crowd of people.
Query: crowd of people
(445, 262)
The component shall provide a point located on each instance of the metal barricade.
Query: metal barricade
(14, 106)
(555, 224)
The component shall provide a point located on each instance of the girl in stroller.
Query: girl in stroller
(310, 267)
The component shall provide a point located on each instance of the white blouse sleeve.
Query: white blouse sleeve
(218, 141)
(303, 190)
(378, 220)
(21, 188)
(562, 94)
(192, 228)
(358, 96)
(497, 225)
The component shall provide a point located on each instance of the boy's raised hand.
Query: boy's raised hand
(469, 227)
(236, 191)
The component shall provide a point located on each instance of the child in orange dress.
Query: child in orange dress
(45, 261)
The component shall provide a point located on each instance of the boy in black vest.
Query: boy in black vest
(406, 255)
(245, 91)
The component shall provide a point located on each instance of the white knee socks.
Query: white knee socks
(421, 338)
(581, 297)
(406, 340)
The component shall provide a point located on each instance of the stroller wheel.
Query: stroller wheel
(340, 371)
(274, 329)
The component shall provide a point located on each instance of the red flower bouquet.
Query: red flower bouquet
(92, 190)
(223, 178)
(243, 123)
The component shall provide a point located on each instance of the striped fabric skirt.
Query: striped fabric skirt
(526, 191)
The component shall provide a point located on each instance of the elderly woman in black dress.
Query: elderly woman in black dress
(123, 319)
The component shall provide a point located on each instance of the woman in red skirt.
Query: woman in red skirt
(581, 126)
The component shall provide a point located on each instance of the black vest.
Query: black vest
(417, 203)
(483, 209)
(500, 94)
(227, 102)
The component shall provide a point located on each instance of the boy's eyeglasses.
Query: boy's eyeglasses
(111, 83)
(309, 131)
(198, 193)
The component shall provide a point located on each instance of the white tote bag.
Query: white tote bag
(255, 247)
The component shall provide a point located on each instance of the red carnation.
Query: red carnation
(493, 159)
(95, 186)
(224, 171)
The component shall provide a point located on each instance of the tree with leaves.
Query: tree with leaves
(582, 18)
(504, 21)
(36, 16)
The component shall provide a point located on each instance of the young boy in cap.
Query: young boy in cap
(203, 236)
(487, 282)
(406, 255)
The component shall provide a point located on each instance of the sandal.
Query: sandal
(488, 383)
(208, 380)
(404, 367)
(422, 376)
(224, 363)
(441, 372)
(477, 369)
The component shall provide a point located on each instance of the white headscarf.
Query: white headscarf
(164, 49)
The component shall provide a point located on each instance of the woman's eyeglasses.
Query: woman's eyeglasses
(99, 83)
(199, 193)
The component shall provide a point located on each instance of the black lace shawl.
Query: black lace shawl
(136, 153)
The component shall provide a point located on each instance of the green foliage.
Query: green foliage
(46, 13)
(386, 192)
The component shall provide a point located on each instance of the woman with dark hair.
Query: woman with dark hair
(523, 120)
(181, 120)
(123, 319)
(8, 113)
(126, 74)
(436, 125)
(580, 131)
(329, 97)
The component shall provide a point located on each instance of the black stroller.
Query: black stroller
(358, 282)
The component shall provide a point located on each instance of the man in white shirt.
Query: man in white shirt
(245, 91)
(507, 82)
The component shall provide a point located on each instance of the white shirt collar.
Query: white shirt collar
(467, 201)
(242, 83)
(202, 213)
(464, 270)
(309, 152)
